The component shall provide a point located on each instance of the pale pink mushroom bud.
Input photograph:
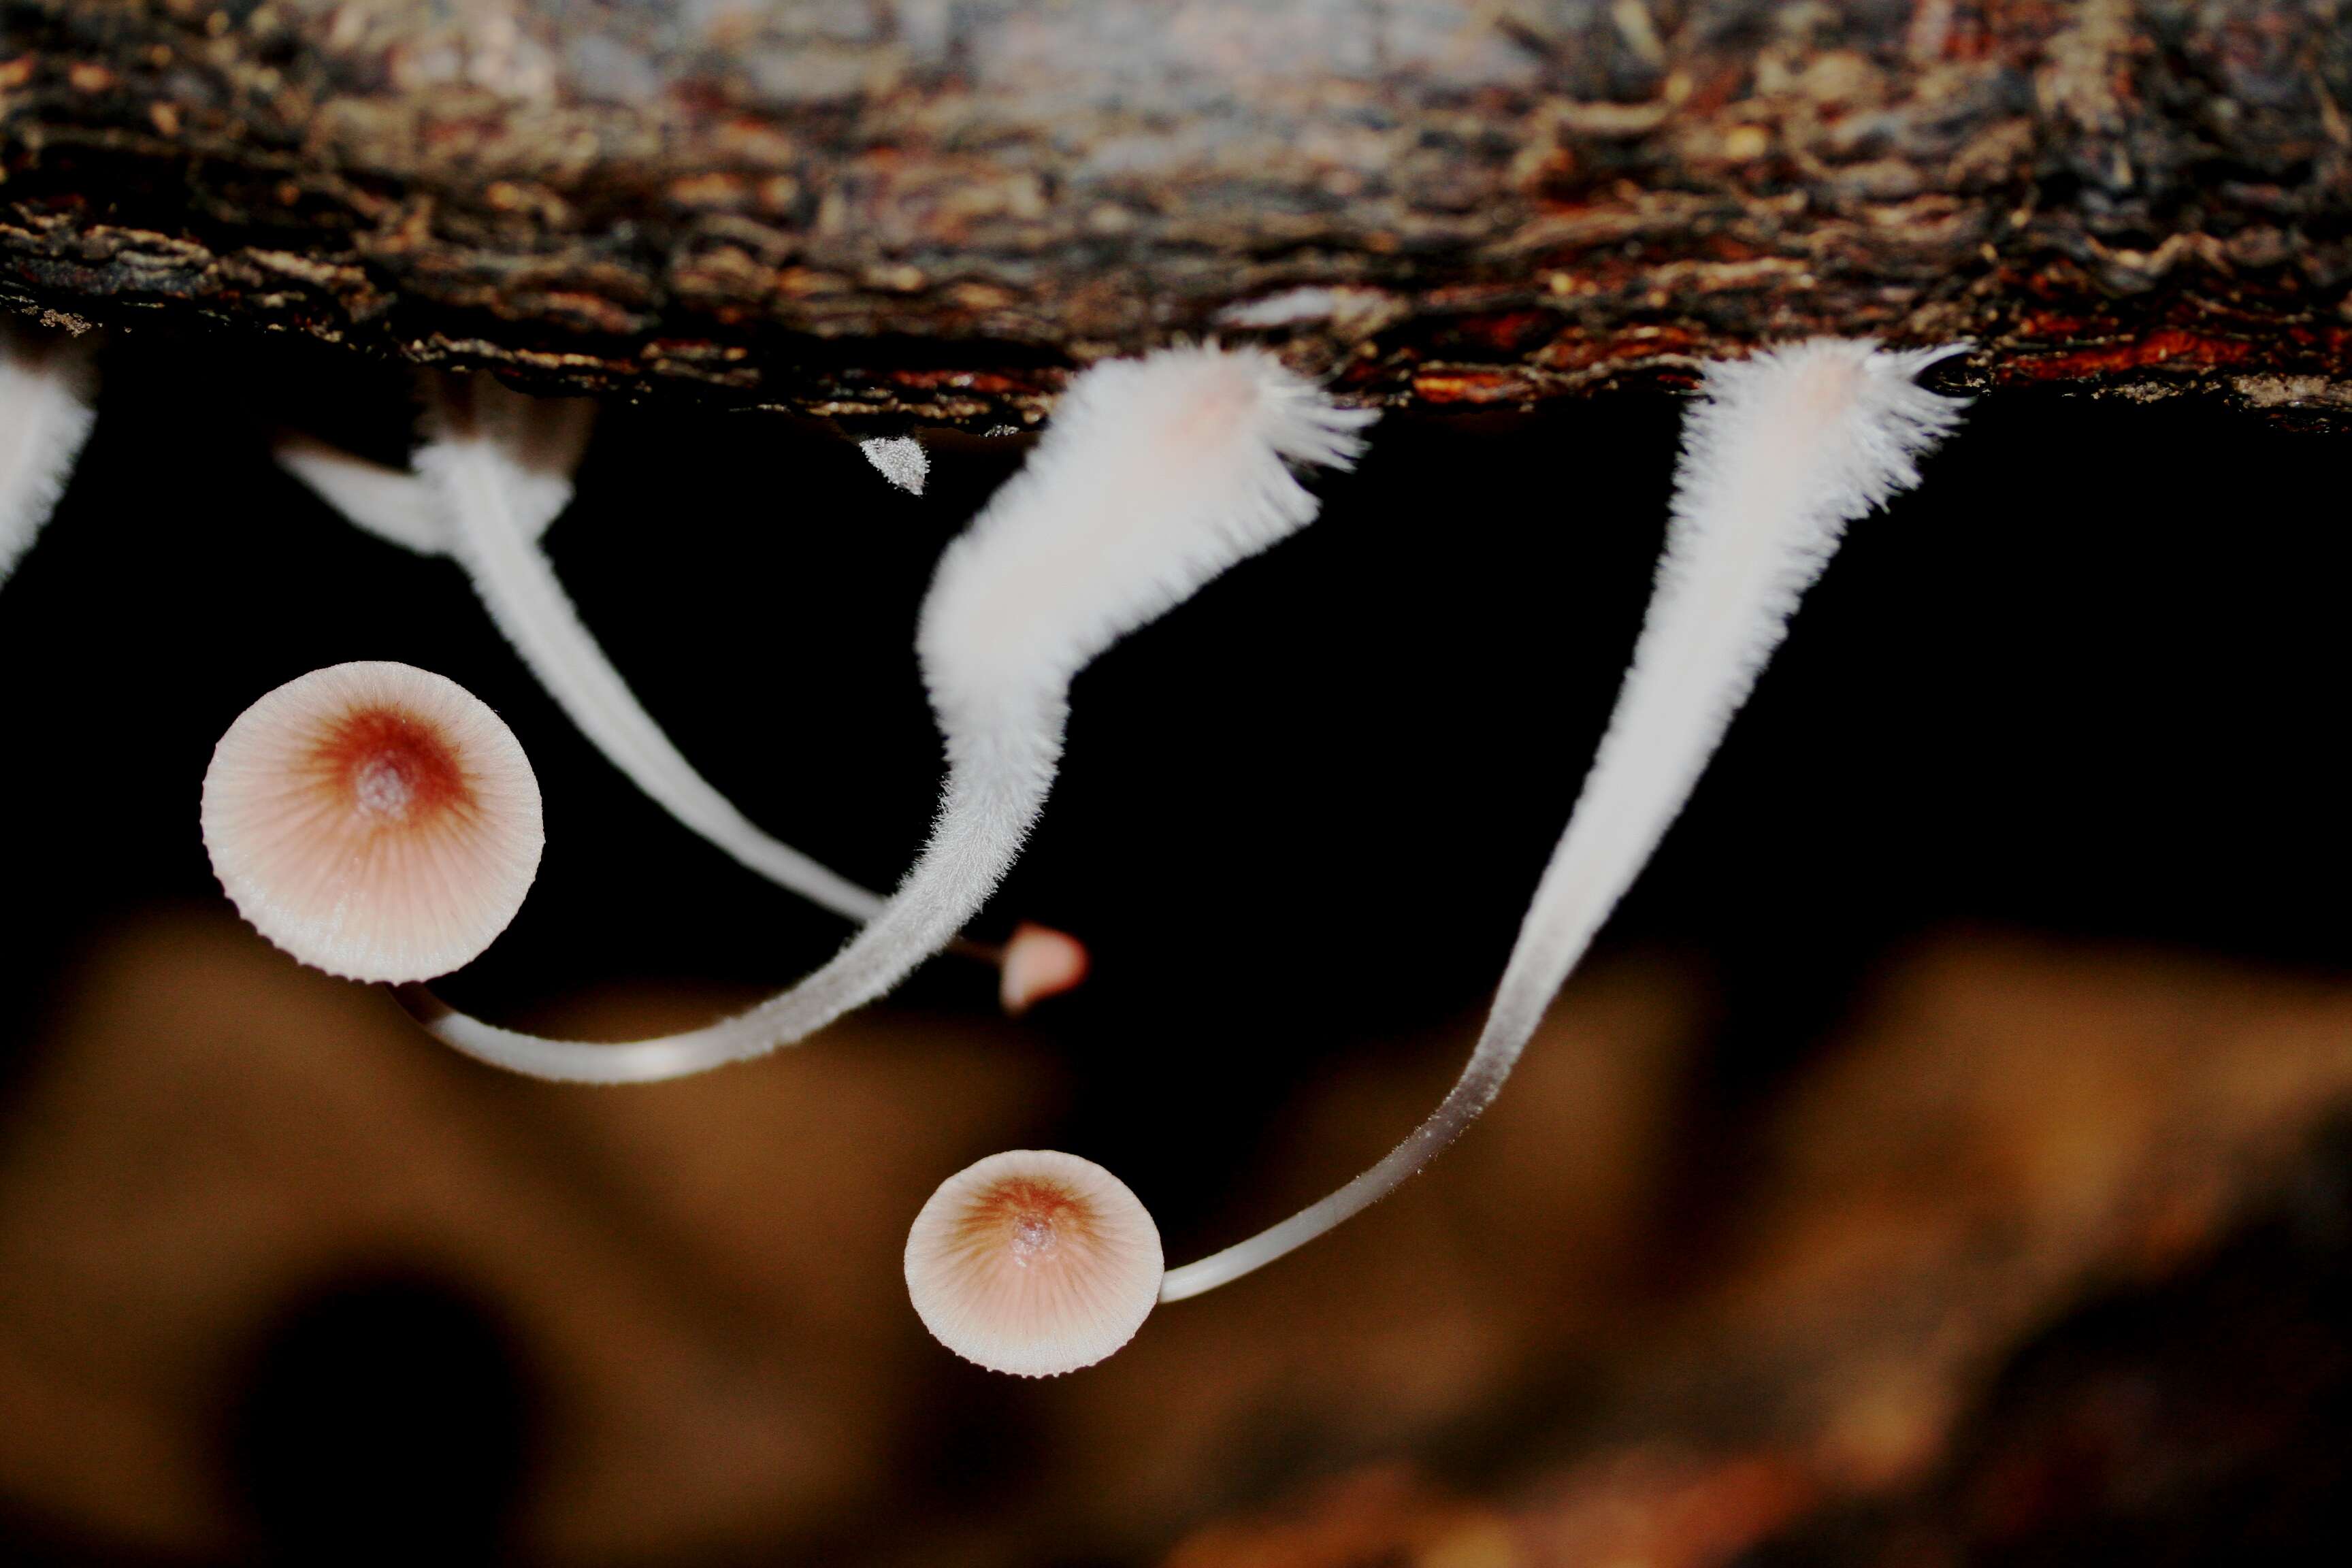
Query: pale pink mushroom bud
(375, 820)
(1039, 962)
(1033, 1263)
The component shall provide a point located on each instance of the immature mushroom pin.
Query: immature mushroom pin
(1033, 1263)
(374, 820)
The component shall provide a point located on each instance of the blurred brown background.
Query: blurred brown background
(1944, 1158)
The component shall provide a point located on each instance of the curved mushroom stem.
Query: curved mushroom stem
(1155, 476)
(996, 787)
(392, 503)
(1781, 453)
(45, 388)
(477, 459)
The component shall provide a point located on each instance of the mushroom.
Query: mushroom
(1155, 476)
(495, 471)
(1034, 1262)
(1039, 962)
(374, 820)
(1779, 453)
(45, 387)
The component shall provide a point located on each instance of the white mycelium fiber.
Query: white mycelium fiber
(489, 459)
(374, 820)
(900, 459)
(1779, 453)
(1154, 475)
(46, 386)
(1032, 1262)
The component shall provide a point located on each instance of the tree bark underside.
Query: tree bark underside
(930, 210)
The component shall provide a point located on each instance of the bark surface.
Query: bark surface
(930, 209)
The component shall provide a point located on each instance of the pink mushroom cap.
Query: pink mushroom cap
(375, 820)
(1033, 1263)
(1039, 962)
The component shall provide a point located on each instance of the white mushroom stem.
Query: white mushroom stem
(45, 388)
(496, 472)
(1155, 476)
(993, 795)
(477, 459)
(1781, 452)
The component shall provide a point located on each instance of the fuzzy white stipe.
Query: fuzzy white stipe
(46, 386)
(478, 460)
(1779, 453)
(1154, 475)
(900, 459)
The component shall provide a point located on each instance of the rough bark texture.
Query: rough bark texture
(929, 209)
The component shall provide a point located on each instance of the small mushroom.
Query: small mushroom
(1033, 1263)
(1779, 453)
(1155, 476)
(45, 387)
(1039, 962)
(375, 820)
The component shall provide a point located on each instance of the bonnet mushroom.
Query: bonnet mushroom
(1032, 1262)
(1779, 453)
(374, 820)
(45, 388)
(1154, 475)
(493, 473)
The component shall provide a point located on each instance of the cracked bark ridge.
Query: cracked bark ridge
(929, 210)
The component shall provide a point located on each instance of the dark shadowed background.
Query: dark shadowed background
(1941, 1159)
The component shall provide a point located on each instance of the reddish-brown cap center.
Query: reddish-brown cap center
(1029, 1219)
(391, 766)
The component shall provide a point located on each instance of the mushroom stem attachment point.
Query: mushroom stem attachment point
(1779, 453)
